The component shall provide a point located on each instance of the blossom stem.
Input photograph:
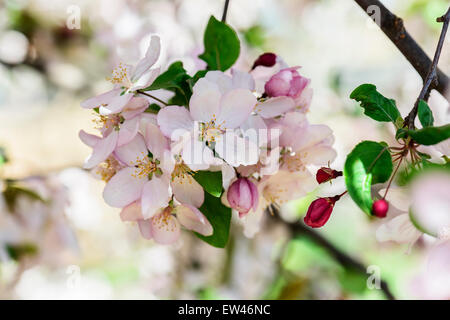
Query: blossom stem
(392, 177)
(153, 97)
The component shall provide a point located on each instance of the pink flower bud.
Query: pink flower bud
(319, 211)
(243, 196)
(287, 82)
(325, 174)
(380, 208)
(266, 59)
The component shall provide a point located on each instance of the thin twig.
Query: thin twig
(225, 11)
(432, 73)
(344, 259)
(393, 27)
(151, 96)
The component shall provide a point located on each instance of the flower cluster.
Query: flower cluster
(248, 128)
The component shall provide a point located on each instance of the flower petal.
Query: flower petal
(220, 79)
(188, 191)
(274, 107)
(155, 140)
(132, 212)
(242, 80)
(155, 195)
(102, 149)
(235, 107)
(151, 56)
(101, 99)
(123, 188)
(191, 218)
(174, 121)
(145, 227)
(88, 139)
(116, 104)
(146, 79)
(128, 130)
(236, 150)
(204, 105)
(135, 107)
(131, 151)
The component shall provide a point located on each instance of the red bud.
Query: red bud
(319, 211)
(266, 59)
(380, 208)
(325, 174)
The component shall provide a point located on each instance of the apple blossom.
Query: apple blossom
(242, 196)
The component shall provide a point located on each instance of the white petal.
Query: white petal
(155, 195)
(236, 150)
(174, 121)
(274, 107)
(188, 191)
(205, 105)
(242, 80)
(116, 104)
(399, 229)
(165, 230)
(128, 130)
(191, 218)
(146, 79)
(235, 107)
(88, 139)
(130, 152)
(123, 188)
(102, 149)
(223, 82)
(151, 56)
(101, 99)
(156, 142)
(132, 212)
(145, 228)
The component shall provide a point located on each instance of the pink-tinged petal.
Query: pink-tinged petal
(236, 150)
(188, 191)
(274, 107)
(191, 218)
(101, 99)
(235, 107)
(205, 105)
(165, 229)
(135, 107)
(128, 130)
(155, 195)
(88, 139)
(197, 155)
(220, 79)
(116, 104)
(174, 120)
(133, 150)
(146, 79)
(319, 155)
(228, 175)
(145, 228)
(399, 229)
(151, 56)
(102, 149)
(123, 188)
(156, 142)
(132, 212)
(242, 80)
(303, 101)
(314, 135)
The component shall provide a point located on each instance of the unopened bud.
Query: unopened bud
(266, 59)
(319, 211)
(325, 174)
(380, 208)
(243, 196)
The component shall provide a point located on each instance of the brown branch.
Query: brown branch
(432, 75)
(344, 259)
(151, 96)
(225, 11)
(393, 27)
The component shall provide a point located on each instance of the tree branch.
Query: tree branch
(344, 259)
(393, 27)
(431, 76)
(225, 11)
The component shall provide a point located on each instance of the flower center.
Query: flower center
(107, 169)
(105, 122)
(164, 221)
(211, 130)
(181, 171)
(146, 167)
(120, 76)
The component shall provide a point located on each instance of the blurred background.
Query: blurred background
(55, 54)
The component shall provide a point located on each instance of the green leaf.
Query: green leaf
(219, 216)
(210, 181)
(430, 135)
(175, 80)
(425, 114)
(3, 157)
(222, 45)
(369, 163)
(375, 104)
(153, 108)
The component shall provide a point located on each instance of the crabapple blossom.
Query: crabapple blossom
(242, 196)
(320, 211)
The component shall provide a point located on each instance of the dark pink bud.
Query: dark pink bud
(266, 59)
(287, 82)
(325, 174)
(319, 211)
(380, 208)
(243, 196)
